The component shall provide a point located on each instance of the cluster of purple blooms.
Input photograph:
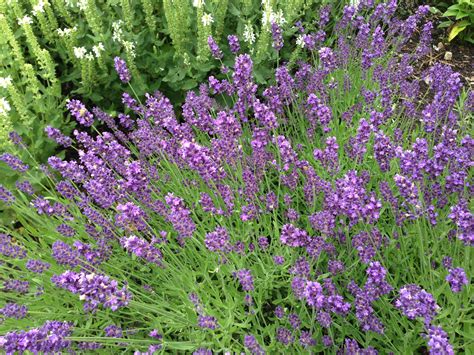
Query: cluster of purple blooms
(94, 289)
(214, 172)
(51, 337)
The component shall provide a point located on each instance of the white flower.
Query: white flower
(39, 7)
(207, 19)
(130, 48)
(198, 3)
(355, 3)
(117, 31)
(89, 56)
(5, 82)
(4, 106)
(300, 41)
(66, 31)
(80, 52)
(97, 49)
(249, 35)
(25, 20)
(82, 4)
(277, 17)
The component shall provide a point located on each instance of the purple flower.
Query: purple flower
(218, 240)
(234, 44)
(60, 138)
(49, 338)
(208, 322)
(14, 163)
(179, 216)
(122, 70)
(327, 341)
(306, 339)
(155, 334)
(80, 113)
(352, 347)
(13, 310)
(438, 341)
(94, 289)
(327, 58)
(284, 336)
(252, 345)
(324, 319)
(6, 196)
(66, 230)
(447, 262)
(16, 286)
(329, 156)
(313, 293)
(318, 112)
(131, 217)
(293, 236)
(294, 320)
(37, 266)
(143, 249)
(415, 302)
(277, 37)
(64, 254)
(457, 279)
(279, 312)
(10, 249)
(25, 186)
(215, 50)
(245, 279)
(112, 331)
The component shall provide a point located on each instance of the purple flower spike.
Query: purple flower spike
(122, 70)
(234, 44)
(277, 37)
(457, 279)
(215, 50)
(80, 113)
(253, 346)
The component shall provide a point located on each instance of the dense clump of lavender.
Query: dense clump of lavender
(51, 337)
(276, 214)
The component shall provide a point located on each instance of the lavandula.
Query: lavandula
(143, 249)
(457, 279)
(94, 289)
(122, 70)
(80, 113)
(277, 36)
(215, 50)
(415, 302)
(252, 345)
(56, 135)
(234, 44)
(51, 337)
(14, 163)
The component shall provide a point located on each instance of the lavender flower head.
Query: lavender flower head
(122, 70)
(80, 113)
(49, 338)
(234, 44)
(457, 279)
(415, 302)
(253, 346)
(277, 37)
(245, 279)
(94, 289)
(438, 341)
(215, 50)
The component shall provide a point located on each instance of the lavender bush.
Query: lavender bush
(328, 212)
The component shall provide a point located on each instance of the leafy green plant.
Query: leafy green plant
(459, 19)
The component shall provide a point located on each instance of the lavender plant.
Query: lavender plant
(328, 211)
